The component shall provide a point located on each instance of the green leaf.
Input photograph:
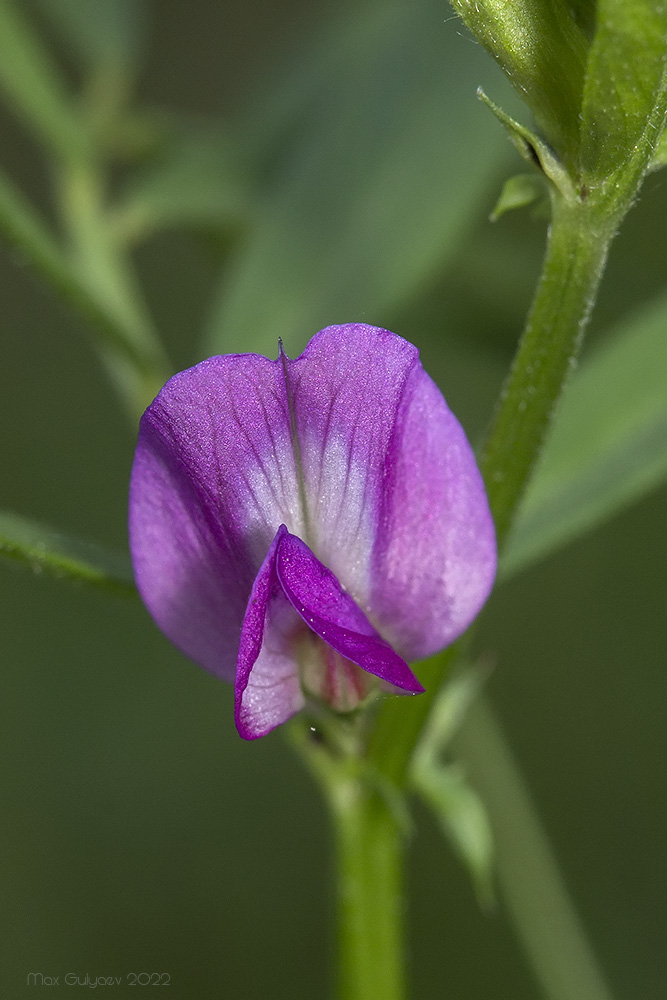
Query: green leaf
(134, 359)
(448, 712)
(518, 192)
(608, 445)
(196, 181)
(625, 90)
(534, 891)
(458, 809)
(464, 821)
(35, 87)
(99, 31)
(583, 11)
(44, 549)
(533, 149)
(372, 177)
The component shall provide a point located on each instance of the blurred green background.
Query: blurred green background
(139, 833)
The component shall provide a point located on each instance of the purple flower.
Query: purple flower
(303, 527)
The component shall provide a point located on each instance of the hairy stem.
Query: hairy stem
(577, 248)
(369, 823)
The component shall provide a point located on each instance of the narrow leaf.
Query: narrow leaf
(196, 181)
(464, 821)
(449, 711)
(458, 809)
(35, 87)
(44, 549)
(608, 446)
(25, 231)
(371, 180)
(99, 31)
(533, 149)
(547, 924)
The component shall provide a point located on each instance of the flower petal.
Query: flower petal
(390, 499)
(293, 594)
(317, 596)
(346, 388)
(434, 558)
(396, 507)
(267, 688)
(214, 476)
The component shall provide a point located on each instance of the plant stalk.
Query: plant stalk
(369, 844)
(104, 268)
(577, 248)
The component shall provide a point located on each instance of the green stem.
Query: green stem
(105, 269)
(577, 248)
(369, 823)
(138, 364)
(370, 893)
(35, 87)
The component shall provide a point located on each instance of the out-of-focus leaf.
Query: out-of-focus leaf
(377, 174)
(608, 445)
(34, 86)
(133, 359)
(517, 192)
(449, 712)
(197, 181)
(534, 891)
(28, 234)
(99, 31)
(623, 109)
(458, 809)
(46, 550)
(464, 821)
(583, 11)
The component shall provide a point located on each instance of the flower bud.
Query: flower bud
(542, 47)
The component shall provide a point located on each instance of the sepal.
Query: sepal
(533, 149)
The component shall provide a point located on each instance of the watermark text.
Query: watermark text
(92, 982)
